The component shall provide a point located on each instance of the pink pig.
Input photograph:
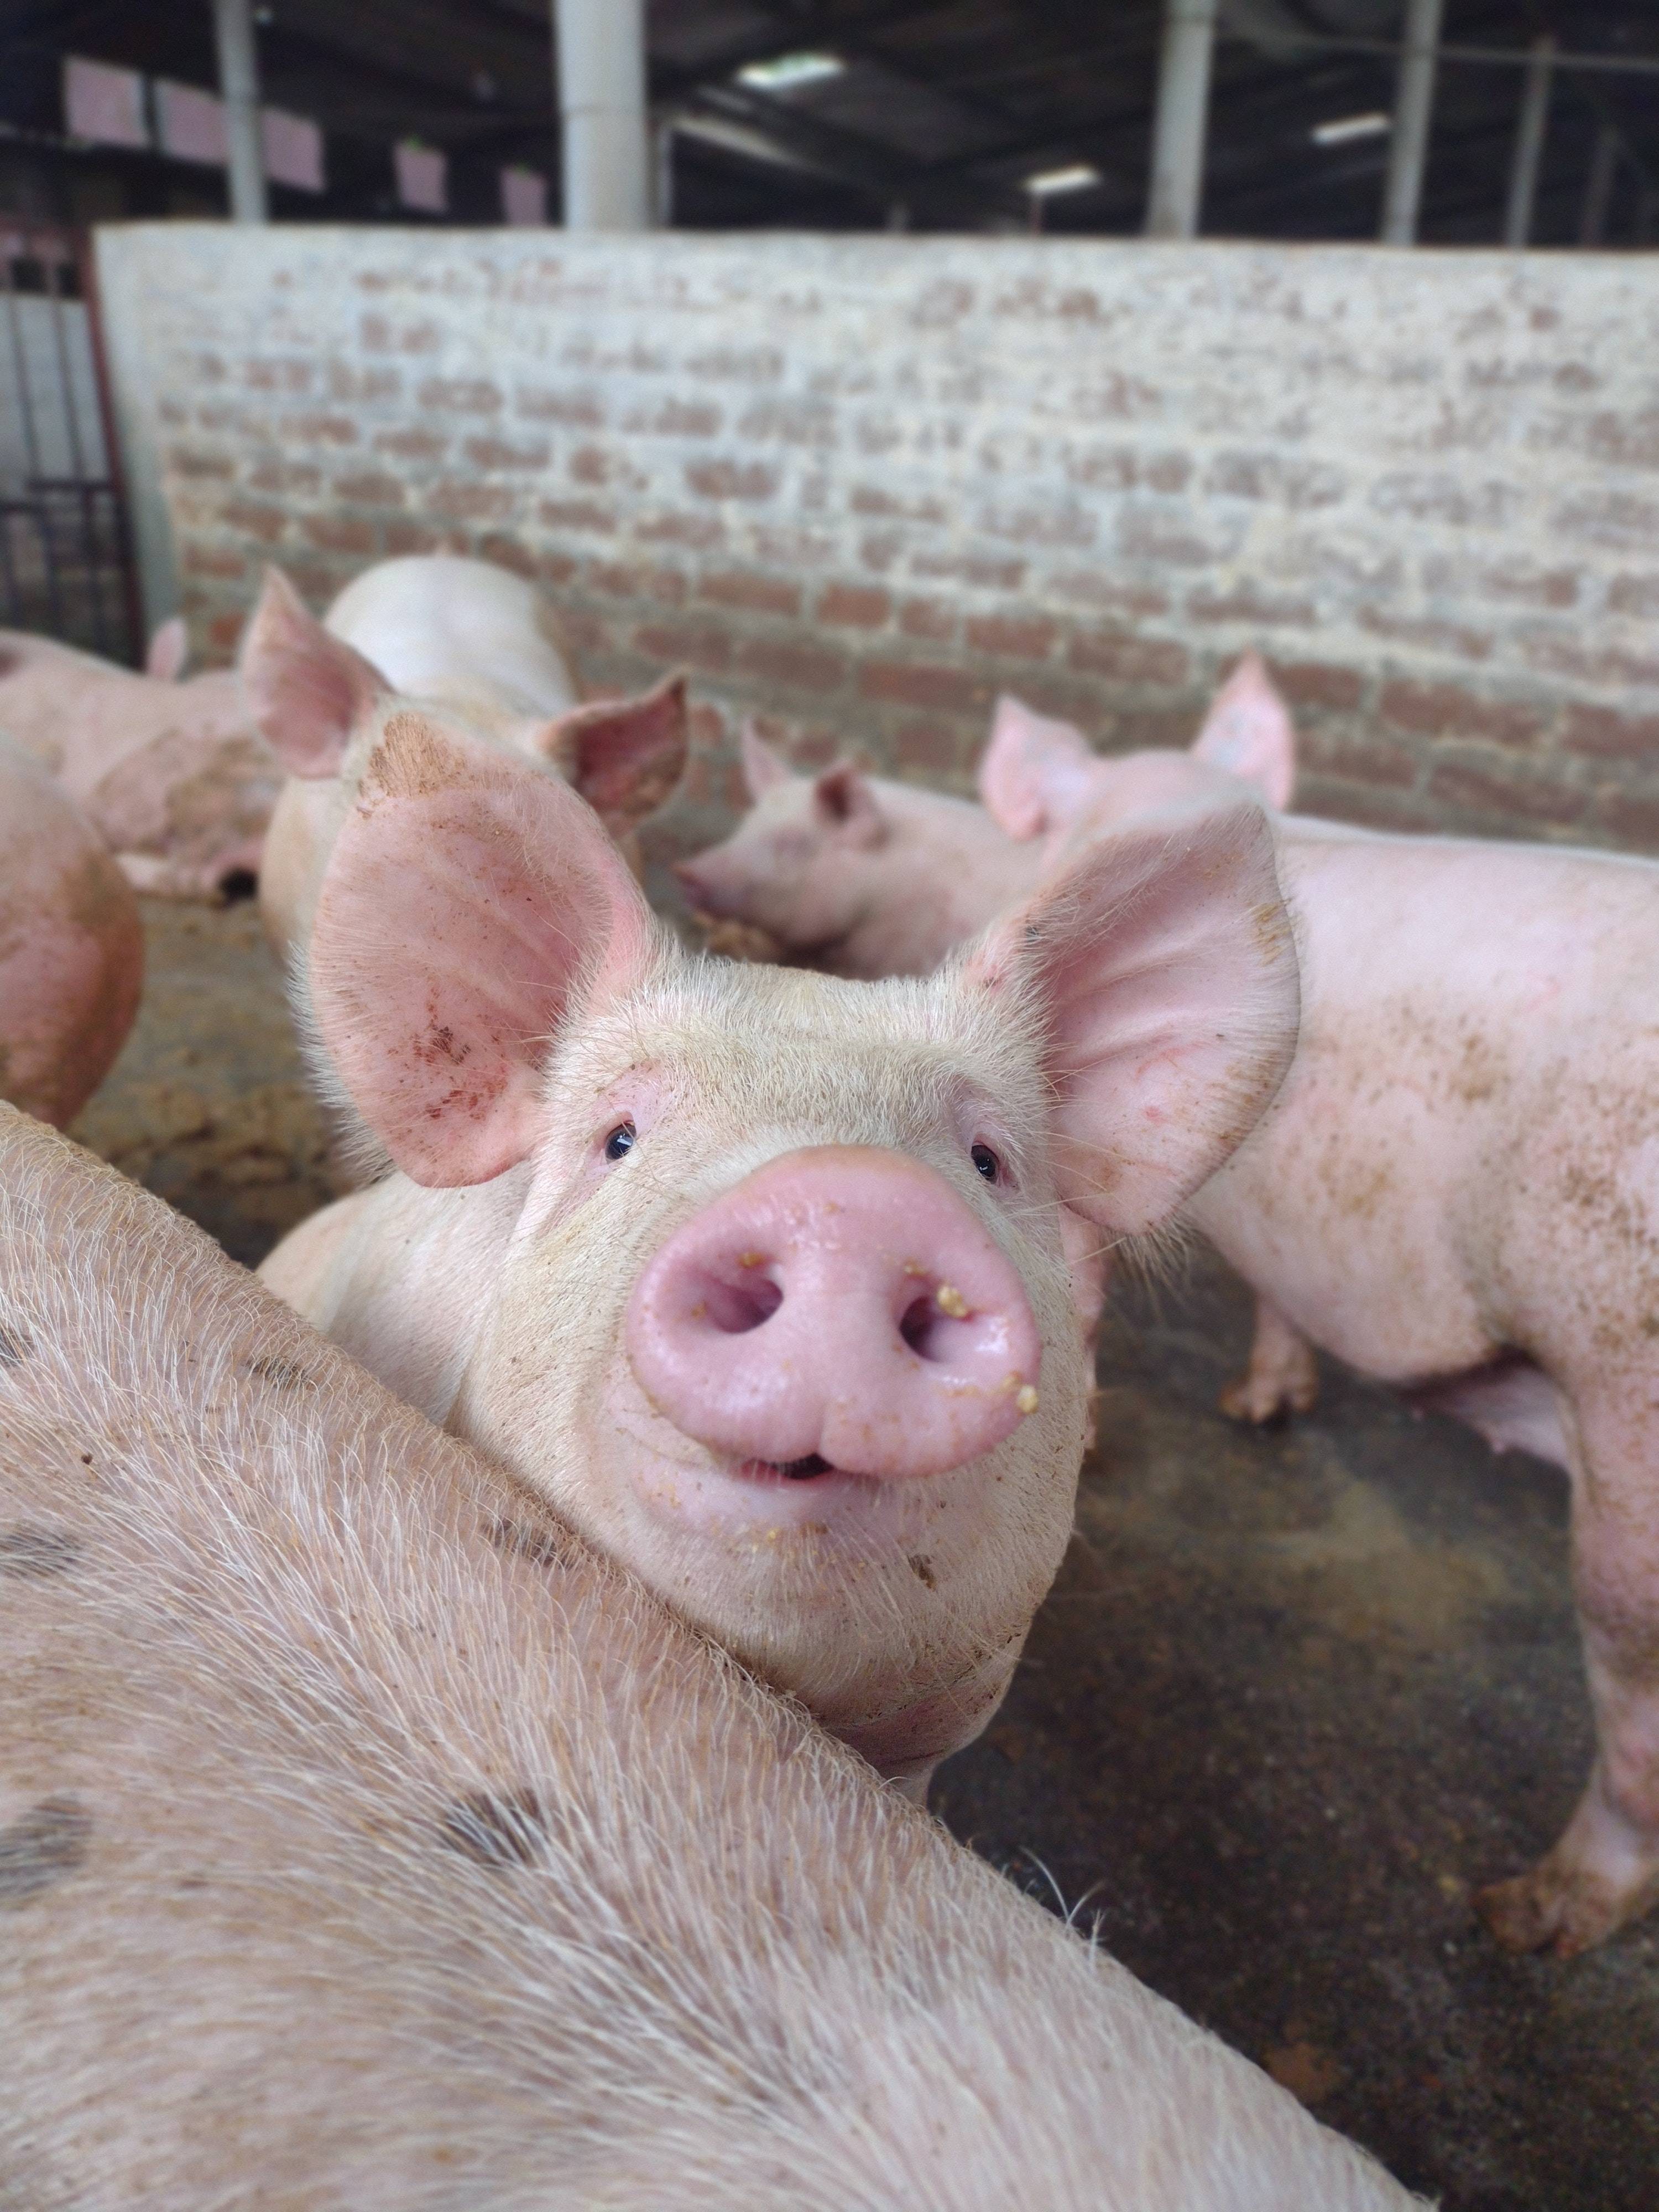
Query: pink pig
(770, 1281)
(167, 769)
(1456, 1191)
(467, 637)
(855, 875)
(71, 946)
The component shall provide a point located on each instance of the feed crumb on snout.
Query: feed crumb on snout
(32, 1553)
(495, 1829)
(949, 1300)
(1026, 1399)
(48, 1842)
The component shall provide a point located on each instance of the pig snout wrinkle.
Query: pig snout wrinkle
(840, 1308)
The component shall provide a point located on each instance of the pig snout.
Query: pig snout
(703, 891)
(840, 1308)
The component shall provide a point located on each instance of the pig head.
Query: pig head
(852, 874)
(312, 694)
(770, 1281)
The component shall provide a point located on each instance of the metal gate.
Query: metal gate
(66, 566)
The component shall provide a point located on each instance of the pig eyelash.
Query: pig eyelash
(620, 1141)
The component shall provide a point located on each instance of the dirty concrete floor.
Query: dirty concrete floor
(1294, 1692)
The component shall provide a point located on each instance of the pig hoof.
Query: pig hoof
(1557, 1909)
(1263, 1398)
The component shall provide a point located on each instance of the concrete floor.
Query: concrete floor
(1294, 1692)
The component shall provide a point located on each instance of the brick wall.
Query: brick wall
(863, 484)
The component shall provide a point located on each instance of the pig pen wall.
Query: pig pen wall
(862, 484)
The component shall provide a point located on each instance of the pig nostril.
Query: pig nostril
(734, 1309)
(925, 1328)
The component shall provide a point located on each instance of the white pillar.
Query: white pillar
(1183, 108)
(1598, 187)
(1530, 143)
(1414, 106)
(601, 63)
(239, 87)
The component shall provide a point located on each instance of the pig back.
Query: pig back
(363, 1840)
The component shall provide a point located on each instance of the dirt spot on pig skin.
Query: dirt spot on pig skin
(495, 1830)
(15, 1347)
(282, 1373)
(31, 1553)
(923, 1568)
(47, 1843)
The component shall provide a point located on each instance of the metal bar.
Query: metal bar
(1183, 105)
(239, 87)
(120, 529)
(1414, 111)
(1530, 143)
(20, 371)
(1502, 56)
(601, 54)
(1598, 187)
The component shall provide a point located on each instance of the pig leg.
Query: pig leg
(1604, 1870)
(1280, 1378)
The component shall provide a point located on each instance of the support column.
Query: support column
(1413, 108)
(601, 65)
(1598, 187)
(1183, 108)
(1530, 143)
(239, 87)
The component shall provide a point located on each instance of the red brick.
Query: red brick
(370, 488)
(461, 395)
(1012, 637)
(1313, 683)
(341, 533)
(676, 418)
(1628, 440)
(1486, 784)
(1635, 595)
(1134, 728)
(918, 683)
(398, 537)
(1450, 710)
(1522, 583)
(858, 606)
(733, 479)
(254, 520)
(461, 498)
(1426, 633)
(797, 663)
(508, 553)
(1560, 654)
(871, 499)
(932, 619)
(578, 410)
(324, 429)
(584, 515)
(637, 580)
(1091, 587)
(765, 595)
(703, 644)
(502, 453)
(1127, 658)
(1368, 759)
(413, 444)
(981, 571)
(941, 748)
(362, 386)
(700, 531)
(1165, 541)
(226, 560)
(192, 461)
(1446, 499)
(1631, 816)
(1366, 808)
(1604, 733)
(1609, 518)
(279, 376)
(789, 548)
(1294, 483)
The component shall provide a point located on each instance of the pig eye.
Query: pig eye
(987, 1162)
(620, 1141)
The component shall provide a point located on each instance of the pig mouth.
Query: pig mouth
(788, 1470)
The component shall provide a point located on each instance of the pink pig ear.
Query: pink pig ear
(1248, 731)
(305, 689)
(763, 766)
(169, 650)
(625, 756)
(1026, 769)
(1161, 972)
(845, 803)
(470, 897)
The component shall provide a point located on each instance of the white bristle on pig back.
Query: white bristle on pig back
(403, 1854)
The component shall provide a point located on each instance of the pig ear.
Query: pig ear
(305, 688)
(1019, 769)
(1248, 731)
(1160, 971)
(169, 650)
(763, 765)
(625, 756)
(470, 897)
(845, 801)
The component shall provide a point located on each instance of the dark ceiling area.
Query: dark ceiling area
(926, 115)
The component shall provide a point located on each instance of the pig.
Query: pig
(366, 1840)
(1456, 1192)
(166, 769)
(466, 636)
(854, 875)
(71, 946)
(771, 1282)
